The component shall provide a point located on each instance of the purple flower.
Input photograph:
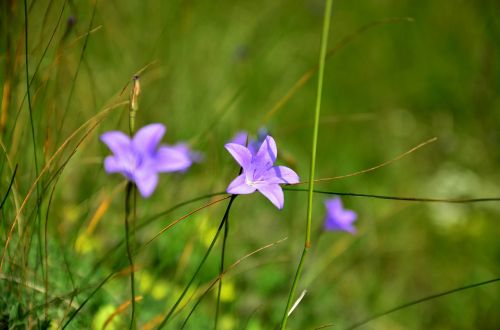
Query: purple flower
(140, 159)
(338, 218)
(259, 172)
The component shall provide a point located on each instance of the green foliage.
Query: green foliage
(210, 70)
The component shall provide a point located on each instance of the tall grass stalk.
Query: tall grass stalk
(307, 244)
(38, 215)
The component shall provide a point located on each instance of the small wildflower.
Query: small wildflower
(259, 172)
(337, 218)
(140, 159)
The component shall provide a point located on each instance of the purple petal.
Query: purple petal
(262, 134)
(240, 153)
(333, 225)
(273, 192)
(195, 156)
(266, 156)
(240, 138)
(146, 181)
(280, 174)
(118, 142)
(113, 164)
(350, 228)
(239, 186)
(333, 205)
(148, 138)
(348, 216)
(170, 159)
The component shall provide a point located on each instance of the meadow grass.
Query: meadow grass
(407, 136)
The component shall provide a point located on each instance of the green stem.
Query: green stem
(174, 307)
(33, 138)
(221, 271)
(307, 244)
(407, 199)
(129, 204)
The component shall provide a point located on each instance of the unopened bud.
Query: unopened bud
(136, 90)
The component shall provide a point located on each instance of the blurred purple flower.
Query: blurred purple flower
(253, 145)
(140, 159)
(193, 155)
(259, 172)
(240, 138)
(337, 218)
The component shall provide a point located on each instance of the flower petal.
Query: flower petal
(348, 216)
(331, 224)
(146, 181)
(333, 205)
(171, 159)
(280, 174)
(118, 142)
(195, 156)
(240, 153)
(240, 138)
(273, 192)
(113, 164)
(239, 186)
(266, 156)
(148, 138)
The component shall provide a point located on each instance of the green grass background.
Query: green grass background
(214, 68)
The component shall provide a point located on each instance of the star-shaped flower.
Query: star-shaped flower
(259, 173)
(140, 159)
(337, 218)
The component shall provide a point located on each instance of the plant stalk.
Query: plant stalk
(307, 244)
(174, 307)
(129, 206)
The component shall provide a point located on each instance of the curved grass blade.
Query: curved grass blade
(376, 167)
(412, 303)
(221, 275)
(94, 120)
(9, 188)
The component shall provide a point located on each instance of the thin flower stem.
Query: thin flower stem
(128, 212)
(407, 199)
(131, 198)
(221, 271)
(174, 307)
(321, 70)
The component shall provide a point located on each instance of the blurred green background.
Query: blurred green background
(215, 68)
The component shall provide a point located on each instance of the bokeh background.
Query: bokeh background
(400, 73)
